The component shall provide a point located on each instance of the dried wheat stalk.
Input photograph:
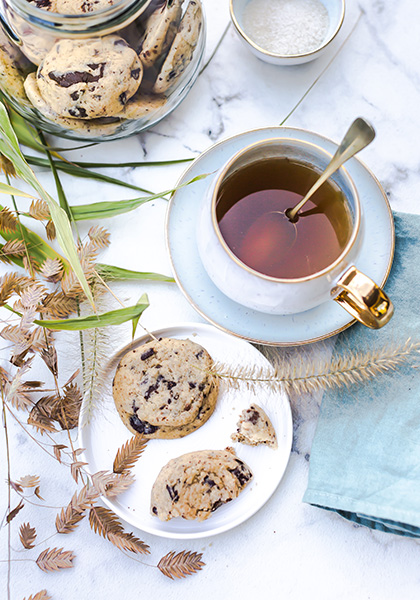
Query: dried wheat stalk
(55, 559)
(345, 369)
(129, 453)
(180, 565)
(27, 535)
(69, 518)
(105, 523)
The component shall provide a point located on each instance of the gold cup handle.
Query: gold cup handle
(363, 299)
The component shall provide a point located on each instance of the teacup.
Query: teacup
(258, 258)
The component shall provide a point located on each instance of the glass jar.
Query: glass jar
(106, 69)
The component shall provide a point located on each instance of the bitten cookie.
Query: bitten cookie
(194, 485)
(182, 49)
(254, 428)
(163, 389)
(86, 79)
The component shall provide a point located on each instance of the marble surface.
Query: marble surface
(288, 549)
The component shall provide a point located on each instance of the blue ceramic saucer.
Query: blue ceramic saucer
(276, 330)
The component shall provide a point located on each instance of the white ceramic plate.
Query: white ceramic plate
(278, 330)
(105, 433)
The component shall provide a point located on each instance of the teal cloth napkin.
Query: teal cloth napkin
(365, 458)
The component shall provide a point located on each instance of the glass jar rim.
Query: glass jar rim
(77, 21)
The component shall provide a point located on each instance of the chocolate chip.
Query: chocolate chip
(170, 384)
(253, 417)
(154, 510)
(192, 385)
(199, 354)
(66, 80)
(216, 505)
(153, 388)
(123, 98)
(75, 95)
(241, 474)
(147, 354)
(201, 386)
(78, 112)
(142, 426)
(135, 73)
(173, 493)
(209, 481)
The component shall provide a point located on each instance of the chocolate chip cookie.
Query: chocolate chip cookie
(161, 28)
(163, 389)
(86, 79)
(254, 427)
(182, 49)
(194, 485)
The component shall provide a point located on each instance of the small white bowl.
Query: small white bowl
(336, 10)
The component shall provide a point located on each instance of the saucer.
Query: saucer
(319, 323)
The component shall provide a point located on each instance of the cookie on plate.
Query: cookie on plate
(163, 389)
(182, 49)
(194, 485)
(87, 79)
(254, 427)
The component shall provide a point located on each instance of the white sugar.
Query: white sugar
(286, 26)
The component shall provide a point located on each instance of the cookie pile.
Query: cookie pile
(89, 85)
(164, 388)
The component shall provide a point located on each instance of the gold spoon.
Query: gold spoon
(358, 136)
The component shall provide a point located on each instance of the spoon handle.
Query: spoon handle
(358, 136)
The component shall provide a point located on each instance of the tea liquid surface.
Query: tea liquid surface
(250, 211)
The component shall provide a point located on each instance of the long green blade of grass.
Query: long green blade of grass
(113, 208)
(10, 190)
(107, 319)
(76, 171)
(111, 273)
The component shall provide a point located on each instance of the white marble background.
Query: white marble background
(288, 549)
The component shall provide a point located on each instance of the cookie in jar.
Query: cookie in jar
(99, 69)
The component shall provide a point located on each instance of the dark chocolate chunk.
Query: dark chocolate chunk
(75, 95)
(135, 73)
(147, 354)
(153, 388)
(123, 98)
(241, 474)
(78, 112)
(253, 417)
(192, 385)
(201, 386)
(154, 510)
(209, 481)
(66, 80)
(142, 426)
(216, 505)
(170, 384)
(173, 493)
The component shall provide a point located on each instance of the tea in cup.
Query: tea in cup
(256, 256)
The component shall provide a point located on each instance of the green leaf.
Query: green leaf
(132, 165)
(113, 317)
(9, 146)
(25, 133)
(9, 189)
(74, 169)
(108, 272)
(106, 210)
(38, 249)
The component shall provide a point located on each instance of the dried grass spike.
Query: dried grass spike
(129, 453)
(50, 230)
(8, 221)
(14, 248)
(29, 481)
(128, 542)
(55, 559)
(180, 565)
(68, 519)
(39, 210)
(42, 595)
(27, 535)
(12, 514)
(112, 484)
(104, 522)
(52, 270)
(99, 236)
